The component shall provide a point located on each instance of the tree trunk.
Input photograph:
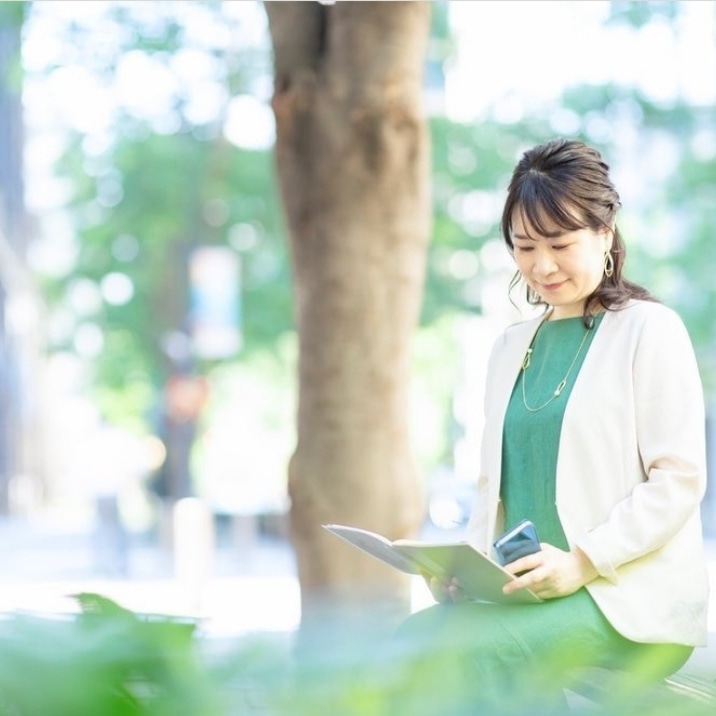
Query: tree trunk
(352, 155)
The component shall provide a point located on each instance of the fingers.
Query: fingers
(549, 573)
(529, 572)
(525, 564)
(455, 592)
(443, 591)
(529, 580)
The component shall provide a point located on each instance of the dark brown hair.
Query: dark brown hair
(566, 182)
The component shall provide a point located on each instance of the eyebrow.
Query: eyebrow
(558, 233)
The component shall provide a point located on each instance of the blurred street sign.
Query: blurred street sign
(215, 302)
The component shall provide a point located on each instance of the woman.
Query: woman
(594, 430)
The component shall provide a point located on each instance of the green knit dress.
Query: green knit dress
(530, 440)
(491, 645)
(530, 446)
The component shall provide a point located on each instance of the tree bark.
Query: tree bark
(352, 155)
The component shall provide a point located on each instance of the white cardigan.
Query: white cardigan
(631, 469)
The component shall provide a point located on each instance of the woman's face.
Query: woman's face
(562, 266)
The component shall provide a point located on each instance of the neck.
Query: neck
(557, 313)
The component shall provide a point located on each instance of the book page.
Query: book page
(479, 576)
(376, 546)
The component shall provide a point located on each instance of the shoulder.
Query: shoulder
(649, 328)
(641, 315)
(516, 336)
(520, 330)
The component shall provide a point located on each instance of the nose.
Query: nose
(544, 263)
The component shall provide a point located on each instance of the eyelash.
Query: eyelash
(526, 249)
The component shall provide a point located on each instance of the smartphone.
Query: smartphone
(518, 541)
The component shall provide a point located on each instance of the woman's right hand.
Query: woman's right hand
(444, 591)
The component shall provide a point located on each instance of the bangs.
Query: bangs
(545, 212)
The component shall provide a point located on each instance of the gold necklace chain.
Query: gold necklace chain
(562, 383)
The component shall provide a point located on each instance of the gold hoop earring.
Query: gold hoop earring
(608, 264)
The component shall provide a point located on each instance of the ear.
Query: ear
(608, 234)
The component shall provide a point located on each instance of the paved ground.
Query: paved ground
(237, 588)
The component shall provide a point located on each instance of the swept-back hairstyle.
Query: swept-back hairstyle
(565, 182)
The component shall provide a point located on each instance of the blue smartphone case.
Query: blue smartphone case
(518, 541)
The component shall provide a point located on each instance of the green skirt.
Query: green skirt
(521, 655)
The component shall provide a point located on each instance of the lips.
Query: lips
(551, 286)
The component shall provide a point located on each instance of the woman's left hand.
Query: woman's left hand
(551, 572)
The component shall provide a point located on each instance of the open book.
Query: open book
(479, 576)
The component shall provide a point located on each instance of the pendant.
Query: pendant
(526, 361)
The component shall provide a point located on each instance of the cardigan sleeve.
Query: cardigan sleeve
(670, 430)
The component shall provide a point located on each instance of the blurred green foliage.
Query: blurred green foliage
(107, 660)
(104, 660)
(170, 194)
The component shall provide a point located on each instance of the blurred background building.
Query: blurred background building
(21, 339)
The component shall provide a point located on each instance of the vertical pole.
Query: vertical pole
(193, 549)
